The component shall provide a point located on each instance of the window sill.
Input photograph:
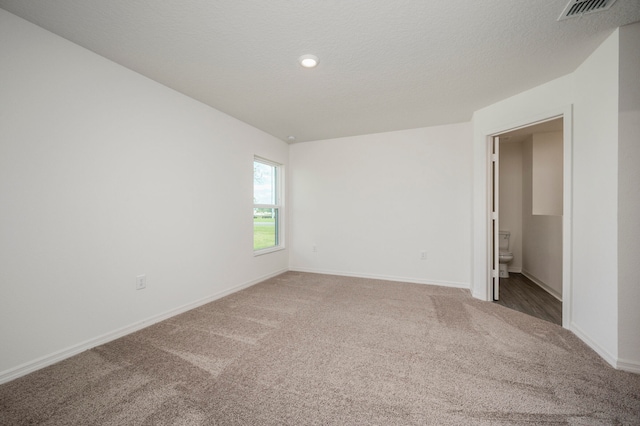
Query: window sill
(267, 250)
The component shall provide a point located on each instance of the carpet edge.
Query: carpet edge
(52, 358)
(451, 284)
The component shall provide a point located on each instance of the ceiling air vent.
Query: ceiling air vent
(581, 7)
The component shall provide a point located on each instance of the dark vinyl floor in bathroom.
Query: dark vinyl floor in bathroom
(521, 294)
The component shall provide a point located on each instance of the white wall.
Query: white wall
(511, 199)
(104, 175)
(536, 240)
(629, 197)
(595, 199)
(545, 101)
(370, 204)
(593, 91)
(542, 234)
(547, 174)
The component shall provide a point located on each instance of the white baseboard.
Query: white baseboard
(541, 284)
(39, 363)
(627, 365)
(383, 277)
(481, 295)
(614, 361)
(604, 354)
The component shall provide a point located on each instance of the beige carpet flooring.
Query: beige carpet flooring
(309, 349)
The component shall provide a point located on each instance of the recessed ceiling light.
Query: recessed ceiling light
(308, 61)
(291, 138)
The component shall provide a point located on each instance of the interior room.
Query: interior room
(530, 219)
(128, 133)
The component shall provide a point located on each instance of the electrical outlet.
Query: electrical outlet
(141, 282)
(423, 255)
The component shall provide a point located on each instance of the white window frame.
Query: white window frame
(278, 206)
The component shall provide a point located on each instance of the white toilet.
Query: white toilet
(505, 255)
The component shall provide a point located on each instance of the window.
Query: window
(267, 206)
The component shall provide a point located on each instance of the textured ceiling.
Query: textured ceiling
(384, 64)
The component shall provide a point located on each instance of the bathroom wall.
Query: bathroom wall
(541, 234)
(547, 174)
(536, 240)
(511, 199)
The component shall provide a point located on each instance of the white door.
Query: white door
(495, 229)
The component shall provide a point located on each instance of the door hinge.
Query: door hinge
(494, 157)
(494, 216)
(494, 273)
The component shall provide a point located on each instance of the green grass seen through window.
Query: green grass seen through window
(264, 233)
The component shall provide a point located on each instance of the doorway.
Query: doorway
(529, 203)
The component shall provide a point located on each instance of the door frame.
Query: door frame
(494, 217)
(566, 113)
